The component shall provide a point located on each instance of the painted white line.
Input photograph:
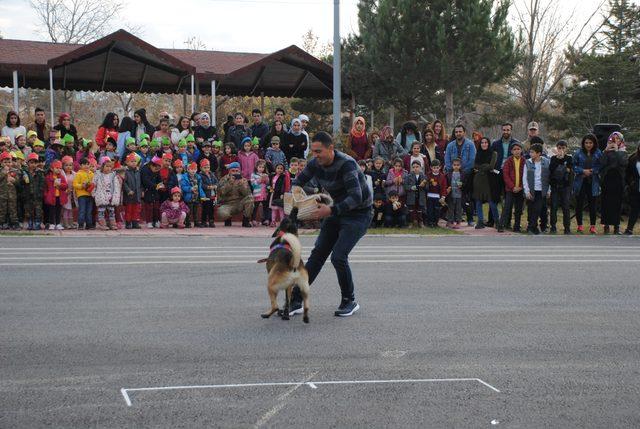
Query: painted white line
(312, 384)
(352, 261)
(126, 396)
(280, 405)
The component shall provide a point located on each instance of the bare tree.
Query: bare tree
(311, 44)
(194, 43)
(75, 21)
(549, 42)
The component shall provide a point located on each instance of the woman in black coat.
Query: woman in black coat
(633, 181)
(295, 142)
(613, 166)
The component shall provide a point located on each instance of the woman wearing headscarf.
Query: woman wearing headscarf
(205, 131)
(295, 142)
(142, 125)
(407, 135)
(387, 148)
(357, 145)
(485, 187)
(612, 176)
(66, 127)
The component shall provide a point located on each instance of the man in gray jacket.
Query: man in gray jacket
(535, 182)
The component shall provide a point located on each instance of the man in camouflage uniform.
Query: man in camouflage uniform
(235, 195)
(33, 191)
(9, 181)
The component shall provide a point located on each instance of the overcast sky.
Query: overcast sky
(229, 25)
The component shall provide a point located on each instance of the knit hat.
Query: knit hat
(18, 154)
(55, 164)
(204, 115)
(165, 141)
(67, 159)
(112, 135)
(38, 143)
(516, 144)
(178, 163)
(167, 156)
(275, 139)
(192, 166)
(31, 134)
(56, 142)
(182, 143)
(176, 190)
(217, 143)
(68, 138)
(104, 159)
(155, 143)
(86, 142)
(92, 161)
(255, 141)
(246, 139)
(303, 118)
(145, 136)
(144, 143)
(204, 162)
(157, 161)
(5, 155)
(206, 143)
(129, 140)
(190, 138)
(232, 165)
(32, 157)
(132, 157)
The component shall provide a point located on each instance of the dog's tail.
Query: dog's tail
(296, 249)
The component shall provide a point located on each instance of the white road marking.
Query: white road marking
(280, 405)
(125, 391)
(351, 261)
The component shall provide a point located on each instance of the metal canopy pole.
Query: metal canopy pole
(193, 95)
(336, 67)
(213, 103)
(16, 100)
(51, 94)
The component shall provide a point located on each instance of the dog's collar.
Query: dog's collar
(285, 246)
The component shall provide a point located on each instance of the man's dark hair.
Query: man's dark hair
(460, 126)
(561, 143)
(536, 147)
(435, 163)
(393, 194)
(508, 124)
(536, 140)
(416, 163)
(39, 109)
(279, 109)
(363, 163)
(258, 111)
(323, 138)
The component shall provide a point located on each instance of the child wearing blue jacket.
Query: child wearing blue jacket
(209, 185)
(191, 185)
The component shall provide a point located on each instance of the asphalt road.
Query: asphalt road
(553, 323)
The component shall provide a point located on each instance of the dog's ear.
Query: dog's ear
(275, 233)
(294, 214)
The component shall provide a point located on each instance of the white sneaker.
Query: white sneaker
(52, 227)
(59, 227)
(156, 225)
(149, 225)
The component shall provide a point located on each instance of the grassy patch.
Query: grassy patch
(417, 231)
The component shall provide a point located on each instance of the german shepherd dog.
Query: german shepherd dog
(286, 269)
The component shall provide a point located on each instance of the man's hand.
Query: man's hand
(517, 189)
(321, 211)
(587, 173)
(130, 192)
(529, 196)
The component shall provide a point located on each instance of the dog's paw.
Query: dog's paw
(285, 317)
(305, 319)
(265, 316)
(280, 313)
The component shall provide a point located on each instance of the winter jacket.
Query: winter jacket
(275, 157)
(50, 191)
(247, 163)
(388, 151)
(416, 189)
(261, 130)
(224, 161)
(205, 134)
(466, 153)
(482, 180)
(83, 177)
(187, 183)
(101, 135)
(632, 176)
(108, 189)
(280, 184)
(236, 134)
(529, 177)
(509, 173)
(358, 147)
(613, 160)
(407, 163)
(497, 147)
(80, 155)
(205, 182)
(294, 146)
(560, 177)
(436, 185)
(233, 191)
(132, 183)
(63, 131)
(33, 185)
(379, 178)
(213, 161)
(44, 131)
(579, 160)
(9, 190)
(390, 185)
(145, 158)
(150, 182)
(177, 135)
(259, 186)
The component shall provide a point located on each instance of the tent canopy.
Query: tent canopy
(122, 62)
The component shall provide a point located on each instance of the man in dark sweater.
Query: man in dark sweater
(561, 181)
(344, 223)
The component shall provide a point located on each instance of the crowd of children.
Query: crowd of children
(124, 178)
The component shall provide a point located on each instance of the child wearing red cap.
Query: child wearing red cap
(55, 194)
(173, 211)
(132, 192)
(67, 208)
(191, 192)
(165, 173)
(107, 194)
(175, 176)
(208, 184)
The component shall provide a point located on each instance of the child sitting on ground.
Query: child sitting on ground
(173, 211)
(395, 214)
(378, 210)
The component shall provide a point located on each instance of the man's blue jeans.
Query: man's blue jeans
(338, 236)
